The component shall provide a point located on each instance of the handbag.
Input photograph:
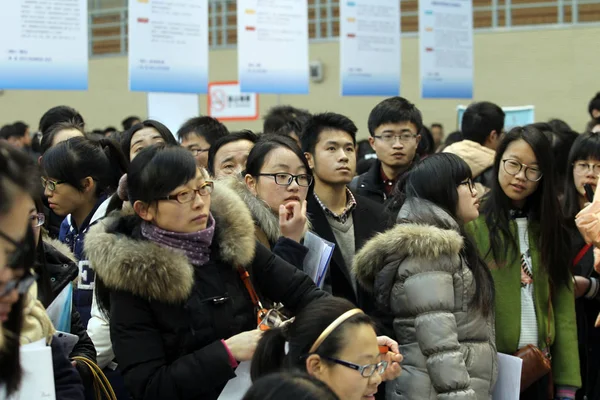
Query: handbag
(102, 387)
(536, 364)
(265, 318)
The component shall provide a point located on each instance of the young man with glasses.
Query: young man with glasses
(482, 126)
(394, 125)
(199, 134)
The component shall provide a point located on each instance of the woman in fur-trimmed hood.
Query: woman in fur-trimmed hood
(180, 315)
(427, 273)
(276, 183)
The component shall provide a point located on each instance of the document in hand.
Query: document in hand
(316, 262)
(237, 387)
(38, 373)
(508, 386)
(59, 310)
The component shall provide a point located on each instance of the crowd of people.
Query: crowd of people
(173, 257)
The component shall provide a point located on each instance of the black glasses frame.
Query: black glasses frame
(521, 165)
(22, 285)
(291, 178)
(19, 253)
(362, 369)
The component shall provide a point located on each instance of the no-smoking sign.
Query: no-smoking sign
(227, 103)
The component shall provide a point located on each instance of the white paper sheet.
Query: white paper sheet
(237, 387)
(172, 109)
(316, 262)
(508, 386)
(38, 373)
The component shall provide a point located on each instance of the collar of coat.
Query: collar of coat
(263, 216)
(424, 230)
(152, 272)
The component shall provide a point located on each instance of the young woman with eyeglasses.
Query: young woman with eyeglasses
(80, 176)
(523, 238)
(584, 168)
(427, 274)
(331, 340)
(168, 278)
(277, 182)
(18, 186)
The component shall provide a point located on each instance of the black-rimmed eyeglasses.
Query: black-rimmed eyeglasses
(366, 371)
(285, 179)
(21, 284)
(17, 258)
(513, 167)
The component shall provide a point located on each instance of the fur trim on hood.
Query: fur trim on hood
(479, 157)
(262, 214)
(60, 247)
(401, 241)
(155, 273)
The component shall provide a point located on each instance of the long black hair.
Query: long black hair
(449, 171)
(586, 146)
(296, 386)
(18, 174)
(270, 353)
(542, 205)
(265, 145)
(162, 130)
(48, 137)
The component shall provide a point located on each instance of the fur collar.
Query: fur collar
(409, 239)
(60, 247)
(155, 273)
(261, 213)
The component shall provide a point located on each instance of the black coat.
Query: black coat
(369, 219)
(587, 311)
(62, 270)
(67, 383)
(370, 184)
(168, 318)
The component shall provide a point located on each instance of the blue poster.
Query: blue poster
(168, 46)
(273, 46)
(44, 45)
(370, 47)
(446, 49)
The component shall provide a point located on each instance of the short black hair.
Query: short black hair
(157, 170)
(211, 129)
(8, 131)
(394, 110)
(295, 385)
(232, 137)
(437, 125)
(164, 132)
(289, 128)
(21, 128)
(129, 122)
(480, 119)
(323, 122)
(594, 104)
(426, 145)
(278, 116)
(452, 138)
(60, 114)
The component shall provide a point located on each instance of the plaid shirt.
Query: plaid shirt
(343, 217)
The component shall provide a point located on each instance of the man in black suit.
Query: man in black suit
(338, 215)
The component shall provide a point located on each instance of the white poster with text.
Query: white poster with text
(44, 44)
(168, 46)
(446, 49)
(273, 46)
(370, 47)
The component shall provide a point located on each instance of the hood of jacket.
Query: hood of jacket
(479, 157)
(152, 272)
(424, 230)
(263, 216)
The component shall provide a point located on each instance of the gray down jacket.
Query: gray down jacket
(417, 273)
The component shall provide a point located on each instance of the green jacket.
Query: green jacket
(507, 278)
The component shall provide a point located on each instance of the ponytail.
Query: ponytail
(270, 353)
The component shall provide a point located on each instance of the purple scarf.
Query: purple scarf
(195, 245)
